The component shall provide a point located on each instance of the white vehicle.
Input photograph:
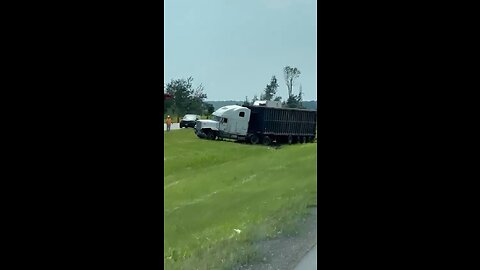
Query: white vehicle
(268, 103)
(189, 120)
(256, 124)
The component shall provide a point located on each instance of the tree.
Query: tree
(295, 101)
(181, 90)
(167, 104)
(290, 75)
(255, 98)
(292, 102)
(300, 98)
(278, 98)
(270, 89)
(196, 104)
(208, 108)
(246, 103)
(185, 98)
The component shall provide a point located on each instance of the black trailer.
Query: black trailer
(281, 124)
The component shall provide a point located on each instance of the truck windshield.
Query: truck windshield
(217, 118)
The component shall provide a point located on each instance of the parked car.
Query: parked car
(189, 120)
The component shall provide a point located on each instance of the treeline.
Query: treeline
(186, 99)
(310, 105)
(290, 74)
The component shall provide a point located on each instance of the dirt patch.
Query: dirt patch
(285, 252)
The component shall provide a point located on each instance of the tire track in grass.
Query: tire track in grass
(247, 179)
(243, 181)
(204, 197)
(194, 201)
(218, 230)
(270, 167)
(171, 184)
(184, 177)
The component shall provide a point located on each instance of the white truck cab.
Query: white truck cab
(229, 122)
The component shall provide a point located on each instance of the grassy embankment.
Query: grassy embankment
(221, 196)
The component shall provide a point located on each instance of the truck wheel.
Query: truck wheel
(211, 135)
(254, 139)
(290, 139)
(267, 140)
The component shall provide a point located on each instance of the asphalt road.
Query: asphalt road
(309, 261)
(174, 126)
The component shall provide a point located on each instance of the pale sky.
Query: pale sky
(233, 47)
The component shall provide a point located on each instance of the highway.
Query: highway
(173, 127)
(309, 261)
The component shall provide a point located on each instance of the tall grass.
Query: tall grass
(221, 196)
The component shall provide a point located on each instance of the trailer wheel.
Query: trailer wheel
(267, 140)
(254, 139)
(290, 139)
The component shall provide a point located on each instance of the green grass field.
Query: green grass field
(221, 196)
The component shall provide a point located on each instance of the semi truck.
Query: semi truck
(259, 124)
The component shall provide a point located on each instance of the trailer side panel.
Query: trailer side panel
(282, 121)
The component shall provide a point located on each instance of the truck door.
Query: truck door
(223, 125)
(243, 117)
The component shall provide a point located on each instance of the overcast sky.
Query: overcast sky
(233, 47)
